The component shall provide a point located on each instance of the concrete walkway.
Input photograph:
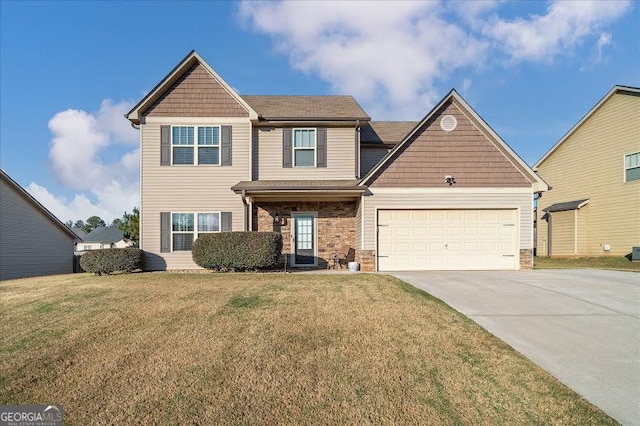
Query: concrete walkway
(582, 326)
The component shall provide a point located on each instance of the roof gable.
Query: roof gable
(193, 89)
(29, 198)
(472, 153)
(625, 90)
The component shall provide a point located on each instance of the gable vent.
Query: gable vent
(448, 123)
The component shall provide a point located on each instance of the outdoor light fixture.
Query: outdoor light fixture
(276, 219)
(449, 179)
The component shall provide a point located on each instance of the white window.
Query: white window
(632, 167)
(304, 147)
(87, 248)
(185, 230)
(191, 147)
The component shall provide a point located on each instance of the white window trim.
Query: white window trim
(315, 146)
(195, 144)
(624, 167)
(195, 231)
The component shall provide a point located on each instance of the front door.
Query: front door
(304, 239)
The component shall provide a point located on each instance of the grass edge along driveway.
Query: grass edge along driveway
(159, 348)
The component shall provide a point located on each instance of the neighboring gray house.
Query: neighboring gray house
(103, 237)
(33, 241)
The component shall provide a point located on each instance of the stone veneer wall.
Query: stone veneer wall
(367, 260)
(526, 259)
(336, 221)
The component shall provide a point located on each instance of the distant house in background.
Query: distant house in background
(593, 208)
(102, 238)
(33, 241)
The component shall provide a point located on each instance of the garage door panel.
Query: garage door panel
(446, 239)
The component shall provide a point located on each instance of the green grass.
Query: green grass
(603, 262)
(167, 349)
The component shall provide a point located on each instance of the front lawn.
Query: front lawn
(603, 262)
(160, 348)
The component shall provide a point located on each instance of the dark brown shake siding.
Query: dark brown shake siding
(466, 153)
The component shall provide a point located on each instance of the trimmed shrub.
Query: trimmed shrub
(237, 251)
(107, 261)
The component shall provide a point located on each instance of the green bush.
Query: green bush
(237, 251)
(107, 261)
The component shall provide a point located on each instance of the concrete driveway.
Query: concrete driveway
(582, 326)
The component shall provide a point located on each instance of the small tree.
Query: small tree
(131, 225)
(79, 224)
(116, 222)
(69, 224)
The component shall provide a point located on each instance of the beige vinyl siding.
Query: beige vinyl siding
(563, 237)
(590, 164)
(185, 189)
(49, 250)
(436, 199)
(369, 157)
(341, 156)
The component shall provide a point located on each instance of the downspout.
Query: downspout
(575, 232)
(246, 210)
(358, 149)
(548, 234)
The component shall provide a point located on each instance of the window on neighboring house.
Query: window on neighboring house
(184, 230)
(632, 167)
(87, 248)
(304, 147)
(189, 146)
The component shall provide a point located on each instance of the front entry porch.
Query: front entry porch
(312, 231)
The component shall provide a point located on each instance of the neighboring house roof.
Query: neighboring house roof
(616, 89)
(187, 63)
(80, 233)
(104, 234)
(569, 205)
(539, 185)
(386, 132)
(283, 108)
(20, 190)
(297, 185)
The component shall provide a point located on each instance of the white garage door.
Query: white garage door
(446, 239)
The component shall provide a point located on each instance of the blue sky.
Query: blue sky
(69, 70)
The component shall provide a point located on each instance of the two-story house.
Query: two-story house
(594, 170)
(442, 193)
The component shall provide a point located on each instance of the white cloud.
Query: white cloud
(380, 50)
(80, 142)
(565, 25)
(392, 55)
(80, 207)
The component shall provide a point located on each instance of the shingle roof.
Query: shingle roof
(298, 185)
(569, 205)
(388, 132)
(306, 107)
(104, 234)
(79, 232)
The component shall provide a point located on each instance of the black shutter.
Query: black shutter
(165, 232)
(165, 145)
(226, 221)
(225, 159)
(286, 148)
(322, 148)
